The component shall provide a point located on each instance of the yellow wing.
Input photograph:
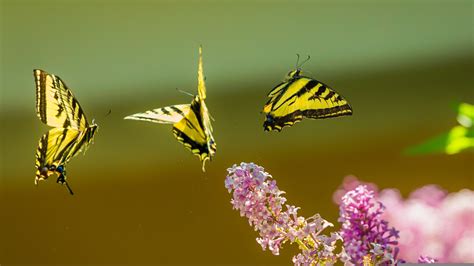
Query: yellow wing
(55, 149)
(195, 134)
(302, 97)
(273, 95)
(201, 80)
(164, 115)
(55, 103)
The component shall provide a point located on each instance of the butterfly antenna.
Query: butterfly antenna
(108, 113)
(306, 60)
(297, 60)
(185, 92)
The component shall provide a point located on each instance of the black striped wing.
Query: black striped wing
(56, 148)
(195, 133)
(165, 115)
(302, 97)
(55, 103)
(276, 92)
(195, 130)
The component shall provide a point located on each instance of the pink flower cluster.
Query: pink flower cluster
(363, 230)
(258, 198)
(433, 222)
(430, 221)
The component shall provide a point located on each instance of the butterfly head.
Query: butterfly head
(293, 74)
(297, 71)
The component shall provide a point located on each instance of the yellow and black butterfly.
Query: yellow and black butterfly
(299, 96)
(191, 122)
(57, 107)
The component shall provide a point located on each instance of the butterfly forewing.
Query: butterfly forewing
(55, 103)
(164, 115)
(274, 95)
(201, 79)
(204, 112)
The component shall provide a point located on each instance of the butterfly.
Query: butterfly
(299, 96)
(71, 133)
(191, 122)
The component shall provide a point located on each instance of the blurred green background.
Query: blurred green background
(141, 196)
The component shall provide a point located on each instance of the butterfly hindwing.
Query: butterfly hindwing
(56, 147)
(55, 103)
(301, 97)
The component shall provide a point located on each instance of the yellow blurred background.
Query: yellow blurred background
(141, 196)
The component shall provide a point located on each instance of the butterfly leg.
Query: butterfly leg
(62, 178)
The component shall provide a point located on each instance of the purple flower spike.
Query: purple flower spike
(363, 230)
(258, 198)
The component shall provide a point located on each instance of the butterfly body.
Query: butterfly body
(196, 124)
(191, 122)
(298, 97)
(71, 133)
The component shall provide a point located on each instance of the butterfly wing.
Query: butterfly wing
(194, 134)
(201, 80)
(165, 115)
(56, 148)
(274, 94)
(55, 103)
(303, 97)
(202, 96)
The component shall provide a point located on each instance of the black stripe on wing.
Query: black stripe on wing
(40, 78)
(70, 105)
(200, 149)
(304, 89)
(40, 163)
(63, 155)
(62, 99)
(196, 108)
(177, 110)
(277, 123)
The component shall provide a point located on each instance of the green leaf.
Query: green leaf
(456, 140)
(465, 114)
